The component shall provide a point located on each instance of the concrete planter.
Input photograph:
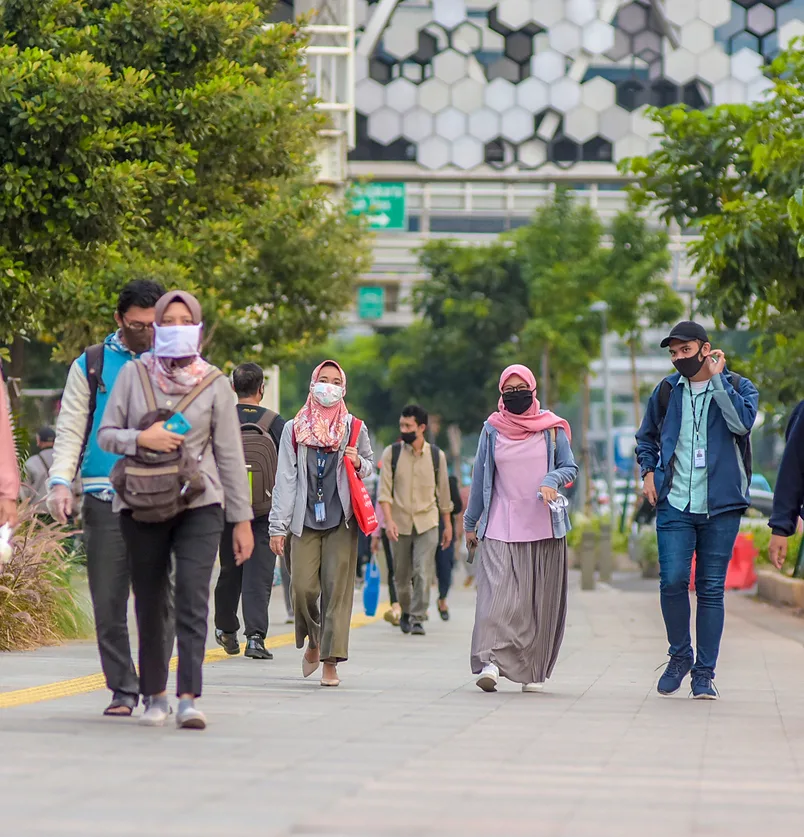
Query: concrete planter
(780, 590)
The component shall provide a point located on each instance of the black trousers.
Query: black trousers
(193, 538)
(109, 585)
(254, 580)
(389, 562)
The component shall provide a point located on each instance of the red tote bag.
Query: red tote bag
(361, 502)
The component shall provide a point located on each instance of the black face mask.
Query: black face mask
(408, 438)
(518, 402)
(689, 367)
(138, 341)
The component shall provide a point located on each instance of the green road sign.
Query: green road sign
(382, 203)
(370, 303)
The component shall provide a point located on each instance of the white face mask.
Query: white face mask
(327, 395)
(177, 341)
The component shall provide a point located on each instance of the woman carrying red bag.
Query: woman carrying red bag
(313, 501)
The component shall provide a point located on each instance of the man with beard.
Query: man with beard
(695, 455)
(76, 453)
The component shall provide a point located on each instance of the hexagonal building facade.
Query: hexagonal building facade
(457, 84)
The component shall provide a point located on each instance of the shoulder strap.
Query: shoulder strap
(94, 360)
(553, 436)
(435, 452)
(200, 387)
(147, 386)
(665, 390)
(396, 451)
(736, 380)
(266, 420)
(357, 426)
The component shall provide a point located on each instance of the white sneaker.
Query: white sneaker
(488, 678)
(191, 718)
(533, 687)
(154, 716)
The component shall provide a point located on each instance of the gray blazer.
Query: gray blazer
(290, 491)
(562, 470)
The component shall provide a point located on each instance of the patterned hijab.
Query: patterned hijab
(176, 376)
(321, 427)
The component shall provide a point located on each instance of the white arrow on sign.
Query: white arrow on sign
(381, 220)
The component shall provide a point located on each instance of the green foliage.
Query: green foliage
(734, 173)
(38, 602)
(172, 139)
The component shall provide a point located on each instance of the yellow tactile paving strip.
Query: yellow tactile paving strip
(93, 682)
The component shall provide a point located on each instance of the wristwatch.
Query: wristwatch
(646, 471)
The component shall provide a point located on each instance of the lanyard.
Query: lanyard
(697, 420)
(321, 465)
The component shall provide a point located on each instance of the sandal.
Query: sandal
(123, 702)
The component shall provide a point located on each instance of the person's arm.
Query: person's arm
(365, 453)
(70, 426)
(739, 407)
(648, 437)
(386, 494)
(31, 476)
(566, 469)
(114, 433)
(9, 469)
(474, 508)
(788, 497)
(442, 489)
(455, 495)
(285, 487)
(228, 451)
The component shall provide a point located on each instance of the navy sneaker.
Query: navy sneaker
(677, 669)
(703, 687)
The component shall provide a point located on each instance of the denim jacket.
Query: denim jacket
(562, 471)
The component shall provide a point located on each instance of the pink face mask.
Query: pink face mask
(327, 395)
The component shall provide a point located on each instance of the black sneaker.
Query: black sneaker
(404, 623)
(417, 629)
(677, 669)
(256, 650)
(702, 686)
(228, 642)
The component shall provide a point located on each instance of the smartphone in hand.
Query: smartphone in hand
(177, 423)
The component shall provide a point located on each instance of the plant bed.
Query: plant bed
(38, 600)
(779, 589)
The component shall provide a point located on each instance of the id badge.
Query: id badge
(320, 512)
(700, 458)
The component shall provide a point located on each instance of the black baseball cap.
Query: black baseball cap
(685, 332)
(46, 434)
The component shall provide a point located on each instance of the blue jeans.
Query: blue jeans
(681, 533)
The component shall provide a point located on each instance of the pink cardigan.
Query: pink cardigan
(9, 471)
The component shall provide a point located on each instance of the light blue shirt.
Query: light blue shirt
(690, 484)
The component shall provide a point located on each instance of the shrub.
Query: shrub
(38, 605)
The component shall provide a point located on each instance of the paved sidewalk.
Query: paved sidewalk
(409, 746)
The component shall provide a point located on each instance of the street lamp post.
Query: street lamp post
(602, 308)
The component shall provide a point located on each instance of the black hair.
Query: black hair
(247, 379)
(46, 434)
(416, 412)
(142, 293)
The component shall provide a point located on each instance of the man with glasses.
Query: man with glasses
(76, 453)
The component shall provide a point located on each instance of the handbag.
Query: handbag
(362, 506)
(371, 588)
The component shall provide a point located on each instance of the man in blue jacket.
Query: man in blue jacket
(76, 454)
(694, 452)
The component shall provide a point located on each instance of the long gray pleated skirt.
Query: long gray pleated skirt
(521, 608)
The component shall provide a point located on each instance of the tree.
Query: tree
(168, 138)
(731, 172)
(635, 286)
(561, 261)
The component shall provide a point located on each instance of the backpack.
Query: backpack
(159, 486)
(262, 459)
(743, 442)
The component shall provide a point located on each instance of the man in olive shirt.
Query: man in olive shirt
(414, 491)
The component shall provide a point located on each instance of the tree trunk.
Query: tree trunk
(544, 384)
(586, 458)
(15, 374)
(633, 347)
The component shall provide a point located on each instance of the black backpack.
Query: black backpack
(743, 442)
(262, 459)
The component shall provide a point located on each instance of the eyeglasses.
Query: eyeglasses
(138, 327)
(520, 388)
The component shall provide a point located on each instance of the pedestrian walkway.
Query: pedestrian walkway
(409, 746)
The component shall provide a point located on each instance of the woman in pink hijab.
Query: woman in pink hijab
(519, 520)
(312, 502)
